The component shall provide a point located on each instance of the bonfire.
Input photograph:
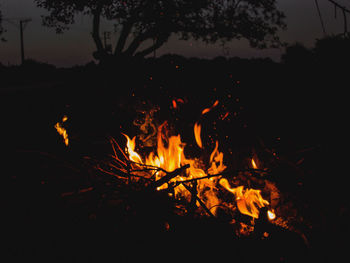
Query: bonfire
(204, 185)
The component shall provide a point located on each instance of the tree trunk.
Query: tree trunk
(99, 54)
(123, 37)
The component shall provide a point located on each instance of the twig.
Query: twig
(149, 166)
(199, 201)
(80, 191)
(320, 16)
(197, 179)
(112, 140)
(169, 176)
(253, 171)
(120, 173)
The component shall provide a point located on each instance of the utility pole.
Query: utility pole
(22, 41)
(22, 24)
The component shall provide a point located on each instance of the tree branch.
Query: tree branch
(340, 6)
(136, 43)
(158, 43)
(123, 37)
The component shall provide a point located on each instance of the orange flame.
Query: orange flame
(254, 164)
(248, 201)
(174, 104)
(169, 156)
(197, 134)
(62, 131)
(216, 161)
(210, 108)
(130, 147)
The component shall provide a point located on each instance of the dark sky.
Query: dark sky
(76, 46)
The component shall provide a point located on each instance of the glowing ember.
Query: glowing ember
(62, 131)
(174, 104)
(212, 107)
(254, 164)
(223, 117)
(271, 215)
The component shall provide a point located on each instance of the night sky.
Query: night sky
(76, 46)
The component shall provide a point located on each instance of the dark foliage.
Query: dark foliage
(151, 23)
(297, 55)
(330, 50)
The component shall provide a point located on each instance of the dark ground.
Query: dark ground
(305, 109)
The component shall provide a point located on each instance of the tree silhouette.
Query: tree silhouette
(333, 51)
(152, 22)
(297, 55)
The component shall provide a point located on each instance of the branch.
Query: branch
(151, 167)
(159, 42)
(252, 171)
(137, 42)
(123, 37)
(199, 201)
(169, 176)
(340, 6)
(344, 10)
(320, 16)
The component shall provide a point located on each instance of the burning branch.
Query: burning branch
(169, 176)
(223, 174)
(62, 131)
(206, 209)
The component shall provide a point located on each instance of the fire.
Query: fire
(197, 134)
(254, 164)
(62, 131)
(169, 155)
(248, 201)
(271, 215)
(210, 108)
(130, 147)
(174, 104)
(216, 160)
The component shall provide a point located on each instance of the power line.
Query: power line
(321, 19)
